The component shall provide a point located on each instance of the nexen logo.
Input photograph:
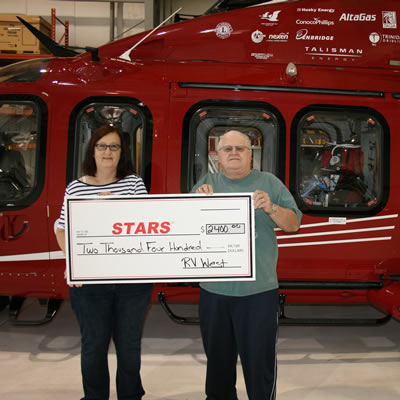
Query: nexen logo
(143, 228)
(357, 17)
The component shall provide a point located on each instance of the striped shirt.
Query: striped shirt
(130, 185)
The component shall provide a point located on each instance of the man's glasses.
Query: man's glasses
(229, 149)
(103, 147)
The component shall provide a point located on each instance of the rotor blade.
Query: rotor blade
(50, 44)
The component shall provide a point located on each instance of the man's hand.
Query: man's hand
(262, 200)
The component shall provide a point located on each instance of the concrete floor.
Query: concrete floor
(315, 363)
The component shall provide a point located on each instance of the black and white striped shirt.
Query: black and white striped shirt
(130, 185)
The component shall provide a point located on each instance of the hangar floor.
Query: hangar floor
(329, 363)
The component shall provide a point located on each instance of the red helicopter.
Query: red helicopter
(314, 84)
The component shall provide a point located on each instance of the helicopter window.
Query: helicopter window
(24, 71)
(340, 160)
(208, 123)
(128, 118)
(18, 151)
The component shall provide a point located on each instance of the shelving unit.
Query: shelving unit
(11, 56)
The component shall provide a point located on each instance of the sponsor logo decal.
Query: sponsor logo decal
(262, 56)
(271, 17)
(223, 30)
(278, 37)
(389, 19)
(362, 17)
(315, 21)
(376, 38)
(257, 36)
(314, 10)
(333, 53)
(334, 50)
(302, 34)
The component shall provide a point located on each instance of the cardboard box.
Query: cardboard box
(15, 38)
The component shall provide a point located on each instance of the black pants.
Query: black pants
(240, 325)
(105, 312)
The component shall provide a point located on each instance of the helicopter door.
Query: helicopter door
(23, 210)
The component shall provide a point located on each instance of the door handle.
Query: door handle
(7, 229)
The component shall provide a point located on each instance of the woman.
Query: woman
(108, 311)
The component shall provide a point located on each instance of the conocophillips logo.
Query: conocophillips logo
(315, 21)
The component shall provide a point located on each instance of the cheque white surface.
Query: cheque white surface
(169, 238)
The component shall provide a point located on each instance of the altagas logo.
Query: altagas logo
(362, 17)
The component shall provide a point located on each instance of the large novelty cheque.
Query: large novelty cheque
(152, 238)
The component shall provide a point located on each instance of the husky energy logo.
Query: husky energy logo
(141, 228)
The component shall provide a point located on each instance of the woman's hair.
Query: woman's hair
(89, 164)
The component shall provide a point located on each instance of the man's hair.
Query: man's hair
(232, 132)
(89, 164)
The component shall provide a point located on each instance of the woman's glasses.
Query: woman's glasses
(103, 146)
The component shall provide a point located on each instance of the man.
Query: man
(242, 317)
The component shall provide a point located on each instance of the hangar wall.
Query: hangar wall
(90, 20)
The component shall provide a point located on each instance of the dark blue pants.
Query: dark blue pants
(240, 325)
(104, 312)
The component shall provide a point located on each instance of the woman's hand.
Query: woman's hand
(76, 285)
(207, 189)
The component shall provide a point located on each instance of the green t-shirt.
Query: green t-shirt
(265, 238)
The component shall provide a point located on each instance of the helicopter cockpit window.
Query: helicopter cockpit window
(18, 151)
(206, 126)
(340, 160)
(129, 119)
(24, 71)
